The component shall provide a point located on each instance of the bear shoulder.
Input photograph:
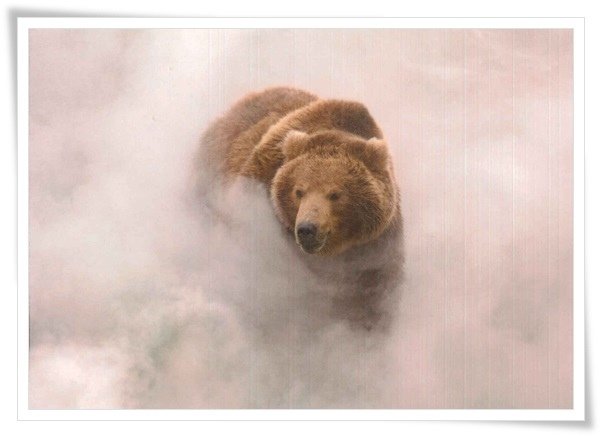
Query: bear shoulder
(320, 115)
(228, 142)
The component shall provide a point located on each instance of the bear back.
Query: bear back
(320, 115)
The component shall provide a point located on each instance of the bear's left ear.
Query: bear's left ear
(373, 153)
(293, 144)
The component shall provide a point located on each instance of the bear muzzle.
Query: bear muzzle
(309, 237)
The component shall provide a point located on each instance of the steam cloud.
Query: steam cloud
(141, 299)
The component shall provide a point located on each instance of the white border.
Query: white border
(22, 216)
(575, 414)
(300, 23)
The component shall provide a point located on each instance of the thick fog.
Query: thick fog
(140, 298)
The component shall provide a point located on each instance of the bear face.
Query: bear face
(334, 190)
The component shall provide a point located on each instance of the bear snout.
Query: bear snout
(306, 230)
(309, 237)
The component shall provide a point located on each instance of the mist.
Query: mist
(142, 298)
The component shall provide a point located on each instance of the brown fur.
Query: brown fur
(231, 139)
(325, 162)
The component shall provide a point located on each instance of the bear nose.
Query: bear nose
(306, 231)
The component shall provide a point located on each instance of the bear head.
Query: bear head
(334, 190)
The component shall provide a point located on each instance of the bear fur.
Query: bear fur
(331, 182)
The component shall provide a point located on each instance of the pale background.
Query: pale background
(125, 311)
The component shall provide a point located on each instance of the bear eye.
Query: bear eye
(299, 193)
(334, 196)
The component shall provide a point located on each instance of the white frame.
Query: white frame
(575, 414)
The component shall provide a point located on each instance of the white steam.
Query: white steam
(141, 298)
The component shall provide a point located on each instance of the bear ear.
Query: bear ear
(294, 143)
(374, 154)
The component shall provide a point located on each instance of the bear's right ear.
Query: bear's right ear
(294, 143)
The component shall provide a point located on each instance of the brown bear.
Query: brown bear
(331, 182)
